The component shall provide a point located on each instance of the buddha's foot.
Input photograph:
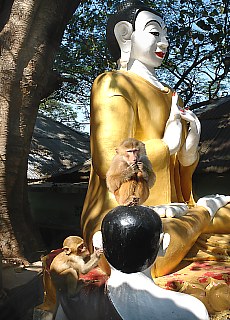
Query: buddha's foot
(213, 203)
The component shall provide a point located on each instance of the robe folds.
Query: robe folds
(125, 105)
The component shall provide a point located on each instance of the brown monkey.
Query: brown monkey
(130, 175)
(75, 259)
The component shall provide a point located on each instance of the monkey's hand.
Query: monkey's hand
(131, 170)
(98, 252)
(140, 166)
(143, 171)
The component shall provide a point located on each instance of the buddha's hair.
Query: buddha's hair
(125, 11)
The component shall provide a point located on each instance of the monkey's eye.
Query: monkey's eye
(132, 150)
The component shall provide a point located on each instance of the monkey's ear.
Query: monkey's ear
(67, 250)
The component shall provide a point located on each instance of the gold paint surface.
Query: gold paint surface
(124, 105)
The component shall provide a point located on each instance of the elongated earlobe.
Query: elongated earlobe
(123, 31)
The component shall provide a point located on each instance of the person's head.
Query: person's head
(131, 237)
(137, 31)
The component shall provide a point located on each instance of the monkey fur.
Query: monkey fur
(75, 259)
(130, 175)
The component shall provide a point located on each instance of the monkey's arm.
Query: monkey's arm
(113, 182)
(77, 263)
(118, 173)
(92, 263)
(146, 171)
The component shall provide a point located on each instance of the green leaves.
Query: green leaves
(204, 25)
(197, 32)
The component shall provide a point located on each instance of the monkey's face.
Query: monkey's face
(82, 250)
(131, 155)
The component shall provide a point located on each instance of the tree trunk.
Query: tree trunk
(30, 34)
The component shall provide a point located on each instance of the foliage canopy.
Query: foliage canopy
(199, 42)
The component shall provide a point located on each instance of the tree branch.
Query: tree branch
(195, 64)
(68, 79)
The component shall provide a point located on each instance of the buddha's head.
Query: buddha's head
(131, 237)
(137, 32)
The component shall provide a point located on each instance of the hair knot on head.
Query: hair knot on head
(121, 6)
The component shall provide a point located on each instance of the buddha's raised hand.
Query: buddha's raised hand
(188, 153)
(173, 128)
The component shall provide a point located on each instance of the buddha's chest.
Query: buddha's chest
(152, 112)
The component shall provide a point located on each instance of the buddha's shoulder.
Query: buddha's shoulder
(111, 78)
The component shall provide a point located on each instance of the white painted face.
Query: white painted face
(149, 40)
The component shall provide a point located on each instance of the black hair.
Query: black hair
(131, 237)
(125, 11)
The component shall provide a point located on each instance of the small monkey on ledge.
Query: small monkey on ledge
(75, 259)
(130, 175)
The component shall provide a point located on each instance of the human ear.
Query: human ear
(123, 31)
(97, 240)
(164, 243)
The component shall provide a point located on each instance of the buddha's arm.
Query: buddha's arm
(112, 120)
(187, 153)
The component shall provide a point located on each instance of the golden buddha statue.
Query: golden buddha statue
(132, 102)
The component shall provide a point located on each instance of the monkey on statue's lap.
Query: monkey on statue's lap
(130, 175)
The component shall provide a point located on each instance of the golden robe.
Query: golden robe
(125, 105)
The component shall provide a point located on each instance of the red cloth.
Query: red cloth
(96, 276)
(51, 256)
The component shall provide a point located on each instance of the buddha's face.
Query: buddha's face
(149, 40)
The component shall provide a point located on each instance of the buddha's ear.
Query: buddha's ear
(123, 31)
